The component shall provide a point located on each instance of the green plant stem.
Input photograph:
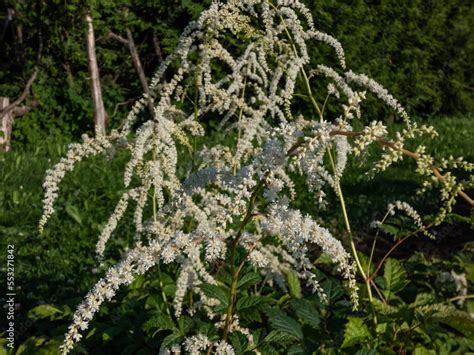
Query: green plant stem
(457, 298)
(239, 133)
(235, 272)
(395, 246)
(349, 231)
(373, 244)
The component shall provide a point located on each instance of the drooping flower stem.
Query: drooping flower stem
(349, 231)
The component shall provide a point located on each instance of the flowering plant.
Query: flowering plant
(233, 207)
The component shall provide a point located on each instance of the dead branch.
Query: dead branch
(8, 109)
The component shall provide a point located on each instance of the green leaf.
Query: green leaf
(280, 321)
(214, 291)
(306, 312)
(110, 333)
(356, 332)
(43, 311)
(461, 321)
(172, 339)
(73, 212)
(324, 259)
(389, 229)
(364, 261)
(248, 280)
(394, 276)
(237, 340)
(367, 352)
(169, 290)
(185, 324)
(423, 299)
(421, 350)
(381, 328)
(333, 290)
(294, 285)
(251, 302)
(278, 336)
(295, 350)
(160, 322)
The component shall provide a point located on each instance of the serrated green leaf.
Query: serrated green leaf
(248, 280)
(422, 299)
(394, 276)
(251, 302)
(356, 332)
(185, 324)
(159, 322)
(295, 350)
(282, 322)
(294, 285)
(459, 320)
(389, 229)
(214, 291)
(238, 342)
(306, 312)
(333, 290)
(278, 336)
(172, 339)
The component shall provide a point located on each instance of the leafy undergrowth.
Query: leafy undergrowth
(419, 309)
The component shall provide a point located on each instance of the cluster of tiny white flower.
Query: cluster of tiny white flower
(411, 212)
(247, 181)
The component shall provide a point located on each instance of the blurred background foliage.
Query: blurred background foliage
(420, 50)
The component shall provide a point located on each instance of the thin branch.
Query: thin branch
(122, 104)
(22, 97)
(114, 36)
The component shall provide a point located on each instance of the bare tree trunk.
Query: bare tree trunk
(97, 101)
(7, 124)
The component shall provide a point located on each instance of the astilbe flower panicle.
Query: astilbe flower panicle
(248, 179)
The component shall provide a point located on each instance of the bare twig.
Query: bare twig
(22, 97)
